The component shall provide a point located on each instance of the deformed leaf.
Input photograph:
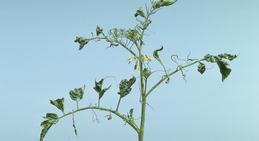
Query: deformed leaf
(59, 103)
(125, 86)
(224, 70)
(155, 53)
(98, 30)
(160, 3)
(210, 58)
(201, 68)
(146, 73)
(50, 119)
(221, 61)
(227, 56)
(99, 88)
(82, 41)
(132, 35)
(139, 12)
(77, 93)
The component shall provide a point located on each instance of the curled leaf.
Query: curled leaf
(98, 30)
(221, 61)
(160, 3)
(146, 73)
(77, 93)
(201, 68)
(50, 119)
(125, 86)
(99, 88)
(155, 53)
(82, 41)
(132, 35)
(224, 70)
(59, 103)
(140, 13)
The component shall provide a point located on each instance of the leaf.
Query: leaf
(209, 58)
(98, 30)
(132, 35)
(146, 73)
(167, 2)
(139, 12)
(125, 86)
(50, 119)
(131, 112)
(98, 88)
(77, 93)
(45, 127)
(155, 53)
(227, 56)
(201, 68)
(221, 62)
(224, 70)
(160, 3)
(59, 103)
(82, 41)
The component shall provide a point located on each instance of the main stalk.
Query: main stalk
(143, 99)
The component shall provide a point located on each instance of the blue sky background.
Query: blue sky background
(39, 61)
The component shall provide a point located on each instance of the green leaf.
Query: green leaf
(50, 119)
(98, 30)
(209, 58)
(140, 12)
(167, 2)
(77, 93)
(125, 86)
(201, 68)
(45, 127)
(227, 56)
(146, 73)
(160, 3)
(99, 88)
(155, 53)
(224, 70)
(132, 35)
(221, 62)
(82, 41)
(59, 103)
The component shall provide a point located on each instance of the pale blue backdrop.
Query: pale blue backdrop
(39, 61)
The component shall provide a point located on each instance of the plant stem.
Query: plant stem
(118, 105)
(170, 74)
(123, 117)
(143, 99)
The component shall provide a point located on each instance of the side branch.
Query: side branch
(123, 117)
(179, 68)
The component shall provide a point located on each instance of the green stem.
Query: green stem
(99, 102)
(143, 99)
(123, 117)
(170, 74)
(117, 107)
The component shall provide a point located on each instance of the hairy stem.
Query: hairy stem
(170, 74)
(118, 105)
(123, 117)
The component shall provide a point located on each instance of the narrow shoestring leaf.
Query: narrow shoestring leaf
(74, 125)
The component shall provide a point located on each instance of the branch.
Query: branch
(123, 117)
(179, 68)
